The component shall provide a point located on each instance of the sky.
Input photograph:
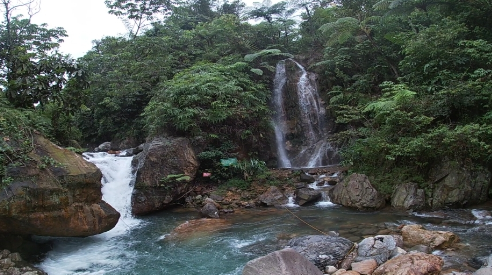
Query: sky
(84, 21)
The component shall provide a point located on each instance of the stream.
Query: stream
(144, 245)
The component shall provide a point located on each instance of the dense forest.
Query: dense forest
(408, 82)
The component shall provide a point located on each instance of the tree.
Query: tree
(32, 70)
(210, 99)
(140, 12)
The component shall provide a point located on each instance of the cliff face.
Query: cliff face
(55, 193)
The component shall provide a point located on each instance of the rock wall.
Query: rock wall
(458, 185)
(55, 193)
(165, 169)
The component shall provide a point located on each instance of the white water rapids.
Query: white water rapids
(104, 252)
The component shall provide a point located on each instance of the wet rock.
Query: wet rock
(61, 199)
(412, 263)
(307, 195)
(408, 196)
(307, 178)
(197, 228)
(486, 269)
(283, 262)
(330, 269)
(12, 264)
(365, 267)
(415, 235)
(273, 196)
(103, 147)
(356, 191)
(458, 185)
(216, 197)
(210, 210)
(378, 248)
(322, 250)
(165, 169)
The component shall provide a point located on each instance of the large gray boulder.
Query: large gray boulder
(408, 196)
(356, 191)
(283, 262)
(273, 196)
(307, 195)
(379, 248)
(165, 168)
(458, 185)
(322, 250)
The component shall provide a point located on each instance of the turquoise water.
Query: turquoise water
(146, 245)
(147, 249)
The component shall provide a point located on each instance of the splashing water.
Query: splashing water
(96, 254)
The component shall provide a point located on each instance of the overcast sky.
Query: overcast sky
(84, 21)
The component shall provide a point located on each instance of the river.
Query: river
(143, 245)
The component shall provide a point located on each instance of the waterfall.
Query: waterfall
(101, 253)
(300, 133)
(117, 186)
(279, 119)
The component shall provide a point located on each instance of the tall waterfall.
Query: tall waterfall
(301, 130)
(101, 253)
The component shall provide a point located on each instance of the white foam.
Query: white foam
(101, 253)
(291, 203)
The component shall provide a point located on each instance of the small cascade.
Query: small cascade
(325, 200)
(299, 120)
(291, 202)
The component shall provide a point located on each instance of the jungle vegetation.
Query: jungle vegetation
(407, 81)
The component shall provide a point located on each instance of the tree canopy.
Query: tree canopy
(407, 82)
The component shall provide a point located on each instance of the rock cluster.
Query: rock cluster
(377, 255)
(12, 263)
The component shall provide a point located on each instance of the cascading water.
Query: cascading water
(101, 253)
(301, 132)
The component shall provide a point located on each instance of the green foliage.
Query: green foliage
(175, 178)
(32, 69)
(250, 168)
(15, 136)
(209, 98)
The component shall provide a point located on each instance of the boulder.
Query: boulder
(412, 263)
(458, 185)
(165, 169)
(408, 196)
(378, 248)
(198, 228)
(365, 267)
(283, 262)
(322, 250)
(356, 191)
(486, 269)
(415, 234)
(273, 196)
(210, 210)
(103, 147)
(307, 195)
(56, 193)
(304, 177)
